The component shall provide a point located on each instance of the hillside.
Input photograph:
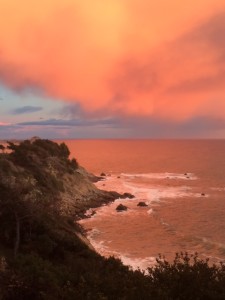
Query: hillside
(43, 253)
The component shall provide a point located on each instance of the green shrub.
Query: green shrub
(188, 277)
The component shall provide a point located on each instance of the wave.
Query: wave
(165, 175)
(156, 193)
(102, 247)
(153, 194)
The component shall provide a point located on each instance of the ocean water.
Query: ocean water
(181, 181)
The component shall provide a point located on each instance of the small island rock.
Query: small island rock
(142, 204)
(121, 207)
(127, 195)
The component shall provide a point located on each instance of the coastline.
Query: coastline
(111, 233)
(105, 198)
(121, 195)
(45, 251)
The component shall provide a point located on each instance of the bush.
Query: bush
(188, 277)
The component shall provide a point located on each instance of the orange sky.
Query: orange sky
(161, 58)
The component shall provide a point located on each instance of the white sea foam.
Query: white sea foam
(90, 212)
(156, 193)
(150, 193)
(219, 189)
(165, 175)
(150, 211)
(103, 249)
(138, 263)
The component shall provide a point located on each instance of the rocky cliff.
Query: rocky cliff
(43, 254)
(43, 169)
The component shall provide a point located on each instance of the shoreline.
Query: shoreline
(46, 252)
(120, 196)
(108, 198)
(100, 240)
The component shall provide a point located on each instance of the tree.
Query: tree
(19, 200)
(64, 151)
(2, 148)
(11, 146)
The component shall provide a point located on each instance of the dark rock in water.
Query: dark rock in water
(142, 204)
(96, 178)
(185, 174)
(118, 176)
(121, 207)
(127, 195)
(114, 195)
(103, 174)
(202, 194)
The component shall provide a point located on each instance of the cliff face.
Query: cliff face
(80, 194)
(43, 254)
(44, 168)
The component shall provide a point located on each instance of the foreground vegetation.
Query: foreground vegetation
(42, 256)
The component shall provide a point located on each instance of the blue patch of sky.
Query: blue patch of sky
(11, 101)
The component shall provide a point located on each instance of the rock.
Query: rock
(185, 174)
(103, 174)
(202, 194)
(95, 179)
(127, 195)
(142, 204)
(90, 176)
(118, 176)
(121, 207)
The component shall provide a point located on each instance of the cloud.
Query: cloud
(196, 127)
(182, 75)
(137, 127)
(159, 59)
(71, 122)
(71, 111)
(3, 124)
(26, 109)
(204, 49)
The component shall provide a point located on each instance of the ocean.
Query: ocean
(181, 181)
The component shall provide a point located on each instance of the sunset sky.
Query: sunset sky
(112, 69)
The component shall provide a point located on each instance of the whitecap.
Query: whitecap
(165, 175)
